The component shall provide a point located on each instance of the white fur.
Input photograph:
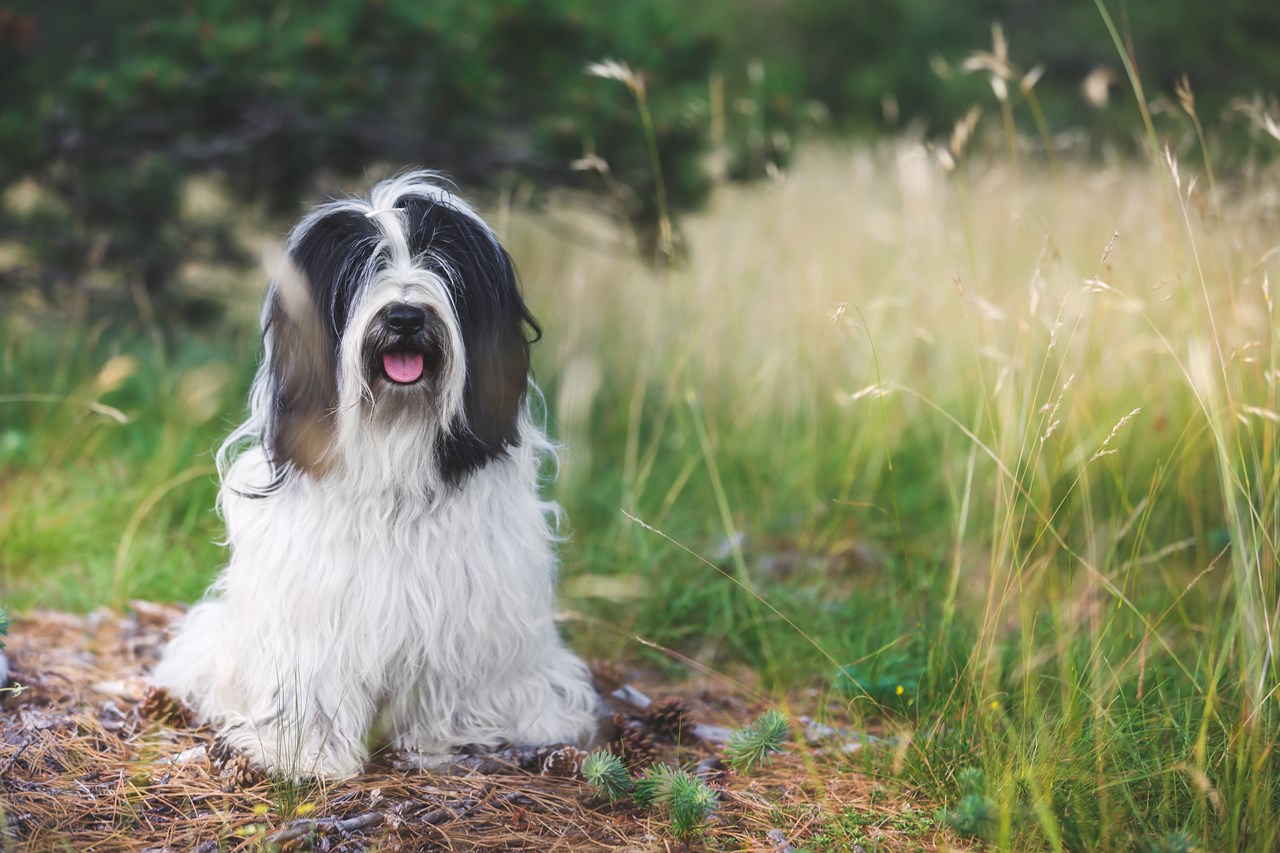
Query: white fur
(374, 603)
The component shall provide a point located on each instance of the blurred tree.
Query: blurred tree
(107, 108)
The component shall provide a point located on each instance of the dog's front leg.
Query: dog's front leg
(272, 688)
(548, 700)
(306, 724)
(553, 702)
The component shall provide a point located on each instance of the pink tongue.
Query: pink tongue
(402, 367)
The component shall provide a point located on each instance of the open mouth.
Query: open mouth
(401, 367)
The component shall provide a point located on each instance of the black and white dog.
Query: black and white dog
(392, 567)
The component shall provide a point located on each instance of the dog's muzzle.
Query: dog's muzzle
(406, 345)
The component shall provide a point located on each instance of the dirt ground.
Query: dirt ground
(90, 759)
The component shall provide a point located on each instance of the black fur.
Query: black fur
(497, 329)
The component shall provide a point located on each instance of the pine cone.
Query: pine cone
(239, 773)
(565, 762)
(669, 717)
(607, 676)
(158, 705)
(636, 748)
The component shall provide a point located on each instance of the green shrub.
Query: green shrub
(109, 110)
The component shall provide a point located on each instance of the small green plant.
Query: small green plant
(689, 802)
(975, 813)
(652, 786)
(912, 823)
(752, 745)
(841, 831)
(1170, 842)
(605, 772)
(852, 828)
(687, 799)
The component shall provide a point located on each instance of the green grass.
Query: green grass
(97, 511)
(852, 827)
(867, 439)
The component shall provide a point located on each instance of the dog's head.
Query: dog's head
(397, 340)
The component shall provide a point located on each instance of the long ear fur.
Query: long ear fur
(329, 255)
(497, 329)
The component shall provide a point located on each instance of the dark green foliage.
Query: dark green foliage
(110, 108)
(4, 625)
(1173, 842)
(753, 744)
(849, 55)
(975, 813)
(891, 681)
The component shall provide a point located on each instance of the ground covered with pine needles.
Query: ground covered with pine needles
(91, 758)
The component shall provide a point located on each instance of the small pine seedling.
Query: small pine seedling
(606, 773)
(690, 802)
(752, 745)
(1173, 842)
(687, 798)
(971, 780)
(975, 813)
(653, 786)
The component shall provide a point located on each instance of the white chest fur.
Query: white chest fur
(341, 606)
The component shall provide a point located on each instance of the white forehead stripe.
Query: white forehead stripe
(382, 208)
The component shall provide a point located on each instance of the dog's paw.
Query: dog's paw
(284, 755)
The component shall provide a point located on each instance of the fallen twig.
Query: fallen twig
(303, 827)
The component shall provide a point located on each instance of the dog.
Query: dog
(392, 565)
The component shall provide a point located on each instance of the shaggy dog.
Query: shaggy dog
(392, 567)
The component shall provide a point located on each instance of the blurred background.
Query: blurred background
(110, 111)
(934, 344)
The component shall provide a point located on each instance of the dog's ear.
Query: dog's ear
(497, 332)
(497, 329)
(306, 317)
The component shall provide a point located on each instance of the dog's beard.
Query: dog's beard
(403, 395)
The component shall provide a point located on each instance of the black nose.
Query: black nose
(406, 319)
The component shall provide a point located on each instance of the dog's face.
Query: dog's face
(397, 341)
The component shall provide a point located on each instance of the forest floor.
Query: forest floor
(90, 758)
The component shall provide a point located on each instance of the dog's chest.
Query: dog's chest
(492, 534)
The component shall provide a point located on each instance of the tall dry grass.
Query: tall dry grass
(1051, 396)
